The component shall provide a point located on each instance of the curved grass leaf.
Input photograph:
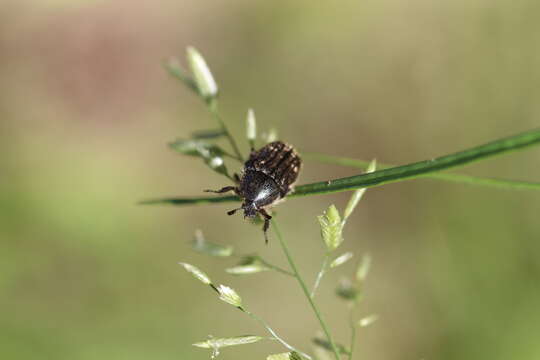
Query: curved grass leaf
(196, 147)
(394, 174)
(197, 273)
(208, 134)
(201, 245)
(347, 291)
(323, 343)
(175, 69)
(232, 341)
(248, 265)
(210, 153)
(358, 194)
(285, 356)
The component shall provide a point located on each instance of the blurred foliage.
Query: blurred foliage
(85, 113)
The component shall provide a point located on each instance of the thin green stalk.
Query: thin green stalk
(324, 268)
(232, 156)
(274, 334)
(276, 268)
(213, 107)
(353, 329)
(394, 174)
(305, 289)
(457, 178)
(266, 263)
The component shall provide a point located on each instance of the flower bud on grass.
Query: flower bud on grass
(203, 76)
(342, 259)
(198, 274)
(228, 295)
(200, 244)
(217, 343)
(210, 153)
(251, 127)
(331, 228)
(368, 320)
(270, 136)
(363, 268)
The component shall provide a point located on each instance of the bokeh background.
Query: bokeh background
(86, 110)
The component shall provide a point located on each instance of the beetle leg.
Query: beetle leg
(266, 225)
(236, 178)
(223, 190)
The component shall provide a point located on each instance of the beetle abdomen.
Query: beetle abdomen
(279, 161)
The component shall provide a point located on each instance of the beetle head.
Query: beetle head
(250, 210)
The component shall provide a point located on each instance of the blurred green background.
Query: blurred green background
(86, 110)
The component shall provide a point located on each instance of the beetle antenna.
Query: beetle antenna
(231, 212)
(222, 190)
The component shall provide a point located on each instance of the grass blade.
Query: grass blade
(411, 171)
(173, 67)
(457, 178)
(394, 174)
(190, 200)
(200, 244)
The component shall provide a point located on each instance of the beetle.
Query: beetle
(267, 177)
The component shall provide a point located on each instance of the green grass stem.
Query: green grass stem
(302, 283)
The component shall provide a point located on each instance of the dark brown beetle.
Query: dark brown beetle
(268, 176)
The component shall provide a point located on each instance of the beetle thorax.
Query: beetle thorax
(258, 190)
